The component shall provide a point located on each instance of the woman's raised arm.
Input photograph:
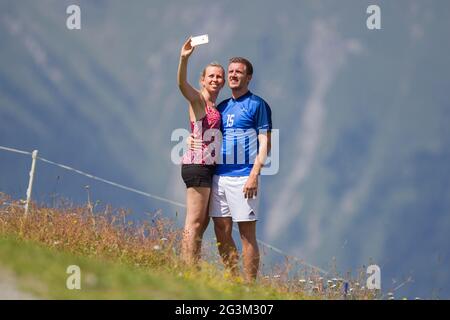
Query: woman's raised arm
(190, 93)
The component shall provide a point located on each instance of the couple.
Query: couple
(227, 192)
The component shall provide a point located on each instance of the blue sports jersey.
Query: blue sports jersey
(242, 118)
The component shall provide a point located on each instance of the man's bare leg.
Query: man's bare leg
(223, 228)
(250, 251)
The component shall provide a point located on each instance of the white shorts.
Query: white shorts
(227, 199)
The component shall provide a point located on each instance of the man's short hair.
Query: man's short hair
(244, 61)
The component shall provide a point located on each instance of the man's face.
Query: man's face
(237, 76)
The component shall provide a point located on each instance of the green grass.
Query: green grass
(122, 260)
(41, 271)
(117, 259)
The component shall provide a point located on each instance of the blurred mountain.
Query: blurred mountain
(363, 117)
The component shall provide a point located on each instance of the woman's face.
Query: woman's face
(213, 80)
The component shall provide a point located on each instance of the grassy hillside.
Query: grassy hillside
(120, 259)
(42, 271)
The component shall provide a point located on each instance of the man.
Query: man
(246, 125)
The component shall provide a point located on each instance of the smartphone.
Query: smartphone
(196, 41)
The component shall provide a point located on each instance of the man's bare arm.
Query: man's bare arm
(265, 144)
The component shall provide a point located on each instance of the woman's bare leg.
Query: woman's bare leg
(197, 220)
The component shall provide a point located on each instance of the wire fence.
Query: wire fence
(159, 198)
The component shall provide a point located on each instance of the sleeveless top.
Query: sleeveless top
(211, 141)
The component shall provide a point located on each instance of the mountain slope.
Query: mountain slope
(363, 117)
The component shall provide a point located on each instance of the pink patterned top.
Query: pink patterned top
(207, 155)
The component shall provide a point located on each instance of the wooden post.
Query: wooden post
(30, 183)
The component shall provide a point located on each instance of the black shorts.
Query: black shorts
(197, 175)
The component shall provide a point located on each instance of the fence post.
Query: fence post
(30, 183)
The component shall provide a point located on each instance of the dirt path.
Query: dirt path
(9, 290)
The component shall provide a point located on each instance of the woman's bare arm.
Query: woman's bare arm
(190, 93)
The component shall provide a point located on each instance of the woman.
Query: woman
(198, 166)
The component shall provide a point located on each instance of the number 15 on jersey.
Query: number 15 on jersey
(230, 120)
